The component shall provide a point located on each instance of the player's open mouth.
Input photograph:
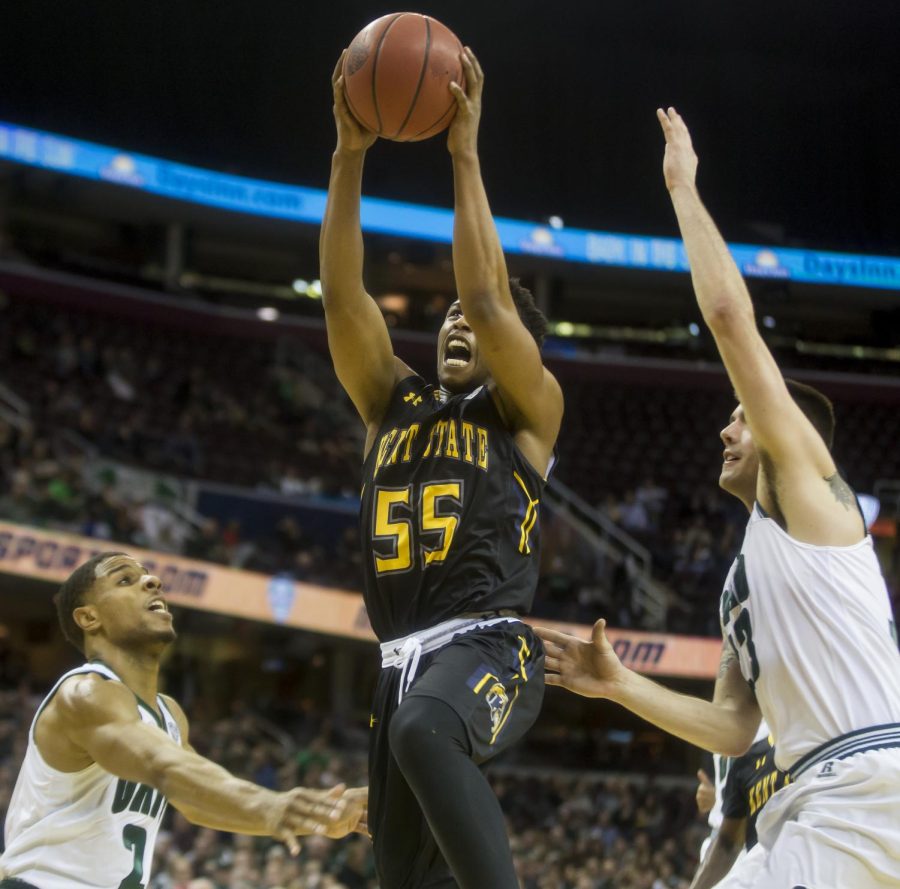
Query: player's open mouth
(457, 352)
(158, 605)
(728, 457)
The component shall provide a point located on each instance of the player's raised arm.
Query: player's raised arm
(100, 718)
(529, 391)
(357, 334)
(817, 505)
(725, 725)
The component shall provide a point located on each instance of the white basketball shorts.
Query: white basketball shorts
(836, 827)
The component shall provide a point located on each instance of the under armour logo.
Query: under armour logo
(415, 399)
(827, 769)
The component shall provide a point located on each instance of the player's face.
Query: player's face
(128, 604)
(740, 461)
(459, 363)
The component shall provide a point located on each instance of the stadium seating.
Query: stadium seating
(271, 415)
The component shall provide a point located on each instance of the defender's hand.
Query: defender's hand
(463, 133)
(357, 812)
(706, 793)
(304, 811)
(349, 814)
(590, 668)
(351, 134)
(680, 161)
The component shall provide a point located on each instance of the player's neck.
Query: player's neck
(744, 493)
(139, 670)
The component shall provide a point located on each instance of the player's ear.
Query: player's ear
(87, 618)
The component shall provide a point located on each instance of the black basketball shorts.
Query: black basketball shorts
(493, 678)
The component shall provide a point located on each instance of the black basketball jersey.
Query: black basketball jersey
(752, 781)
(449, 513)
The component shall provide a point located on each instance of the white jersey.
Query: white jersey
(813, 630)
(87, 829)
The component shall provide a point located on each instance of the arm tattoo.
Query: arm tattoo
(843, 493)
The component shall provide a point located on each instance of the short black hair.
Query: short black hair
(71, 596)
(816, 406)
(532, 317)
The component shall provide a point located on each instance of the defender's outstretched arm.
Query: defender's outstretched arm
(726, 725)
(725, 303)
(100, 718)
(818, 506)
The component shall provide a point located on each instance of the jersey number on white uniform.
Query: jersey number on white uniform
(736, 620)
(135, 840)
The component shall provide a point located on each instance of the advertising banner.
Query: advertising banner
(301, 204)
(53, 555)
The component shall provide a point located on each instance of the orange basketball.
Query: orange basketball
(397, 74)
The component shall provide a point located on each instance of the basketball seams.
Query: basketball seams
(450, 108)
(427, 129)
(381, 40)
(415, 98)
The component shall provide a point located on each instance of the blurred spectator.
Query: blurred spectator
(633, 514)
(206, 543)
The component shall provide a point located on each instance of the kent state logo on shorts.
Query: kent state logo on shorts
(484, 680)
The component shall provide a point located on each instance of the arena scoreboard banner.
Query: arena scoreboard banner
(51, 556)
(244, 195)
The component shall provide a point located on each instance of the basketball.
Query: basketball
(397, 75)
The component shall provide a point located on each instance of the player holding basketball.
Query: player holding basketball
(106, 752)
(449, 517)
(810, 639)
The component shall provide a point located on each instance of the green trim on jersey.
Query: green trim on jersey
(156, 717)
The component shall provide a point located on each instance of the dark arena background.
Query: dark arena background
(165, 384)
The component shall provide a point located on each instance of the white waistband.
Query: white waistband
(876, 737)
(404, 653)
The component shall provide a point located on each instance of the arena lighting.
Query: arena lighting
(307, 205)
(615, 334)
(694, 328)
(312, 289)
(768, 322)
(268, 313)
